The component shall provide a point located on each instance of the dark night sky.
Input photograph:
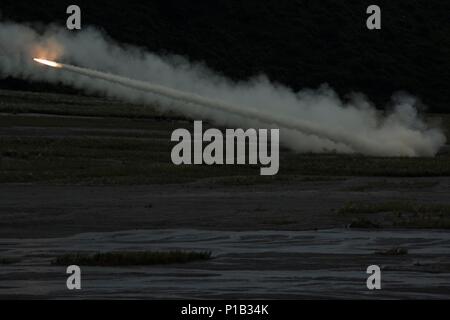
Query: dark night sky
(300, 43)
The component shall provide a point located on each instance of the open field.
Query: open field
(82, 176)
(88, 180)
(63, 139)
(68, 162)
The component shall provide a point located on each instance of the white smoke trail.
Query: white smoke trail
(185, 98)
(327, 124)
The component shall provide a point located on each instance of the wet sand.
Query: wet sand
(323, 264)
(268, 241)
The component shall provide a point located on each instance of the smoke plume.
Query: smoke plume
(310, 120)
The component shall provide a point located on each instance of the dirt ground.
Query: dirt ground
(72, 164)
(30, 211)
(83, 174)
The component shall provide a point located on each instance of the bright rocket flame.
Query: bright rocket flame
(48, 63)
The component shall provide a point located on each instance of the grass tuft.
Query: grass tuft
(138, 258)
(388, 185)
(395, 207)
(393, 252)
(7, 261)
(398, 214)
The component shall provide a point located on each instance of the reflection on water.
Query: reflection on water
(257, 264)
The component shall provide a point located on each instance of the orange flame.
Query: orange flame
(48, 63)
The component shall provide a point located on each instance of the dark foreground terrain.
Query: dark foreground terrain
(251, 264)
(88, 175)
